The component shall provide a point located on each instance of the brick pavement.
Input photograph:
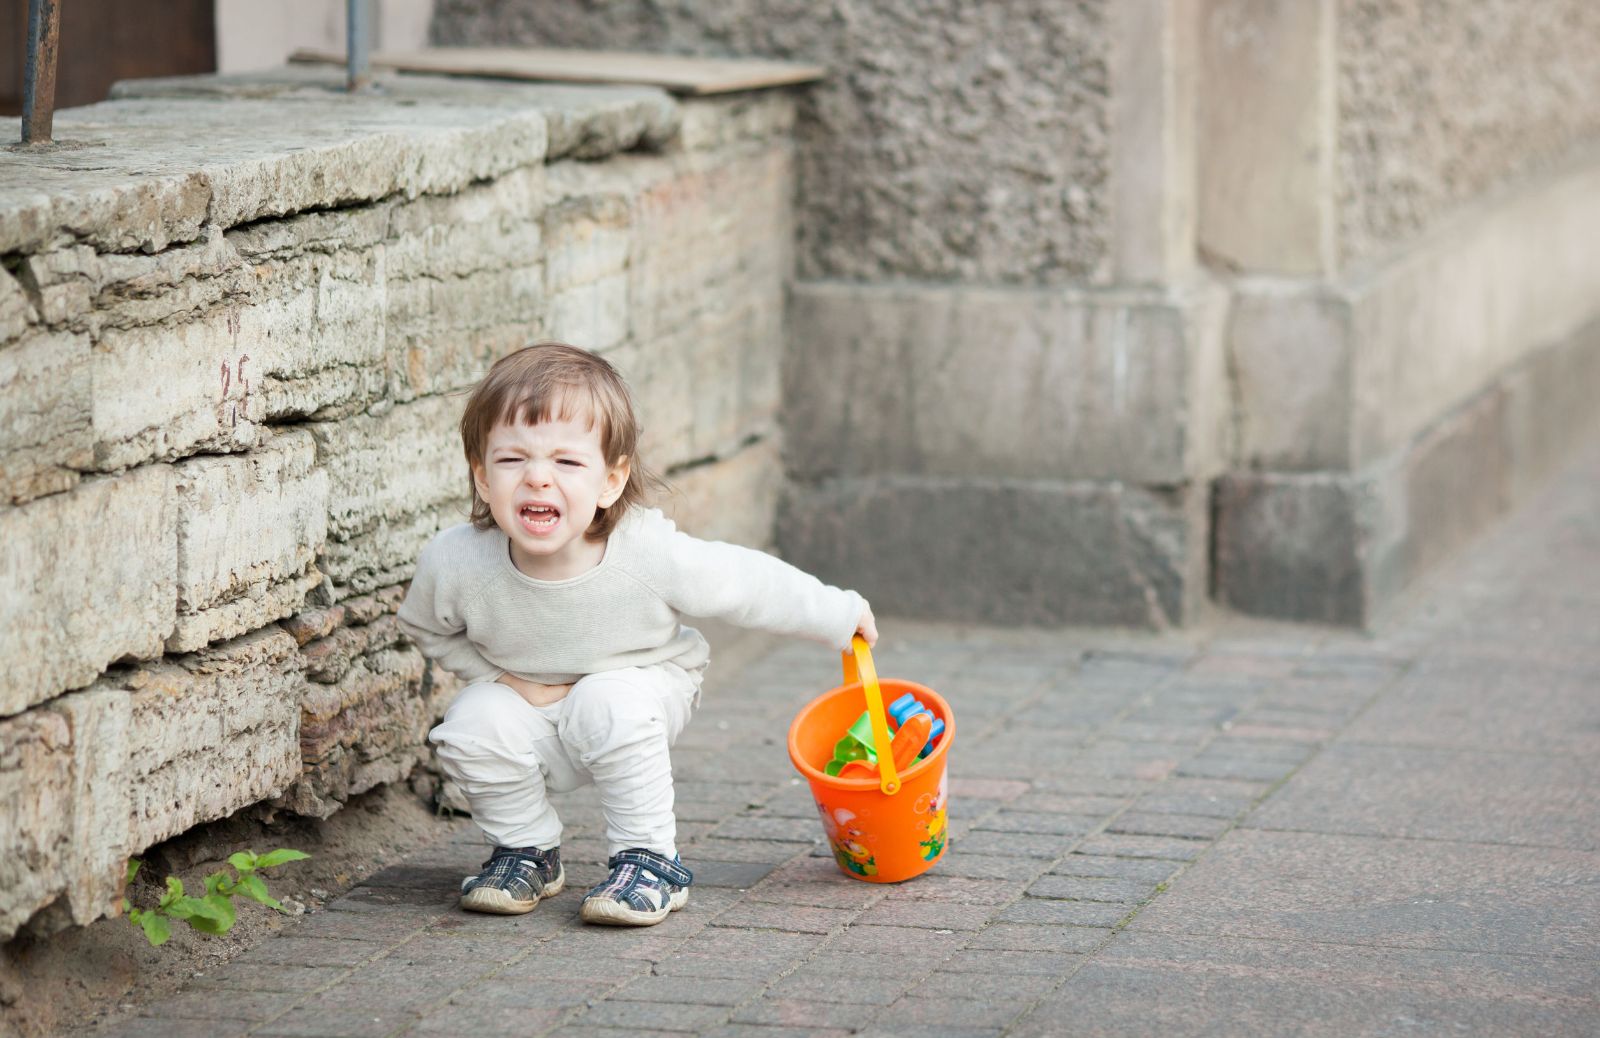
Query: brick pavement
(1256, 829)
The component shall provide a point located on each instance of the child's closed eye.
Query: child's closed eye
(572, 462)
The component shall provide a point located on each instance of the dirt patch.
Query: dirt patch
(78, 980)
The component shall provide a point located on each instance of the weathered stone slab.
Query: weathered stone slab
(732, 500)
(17, 311)
(36, 810)
(397, 478)
(249, 529)
(367, 726)
(45, 420)
(210, 733)
(86, 578)
(1050, 553)
(1386, 892)
(934, 380)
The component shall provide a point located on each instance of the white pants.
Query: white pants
(613, 729)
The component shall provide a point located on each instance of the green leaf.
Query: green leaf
(133, 870)
(215, 882)
(244, 861)
(197, 908)
(255, 888)
(174, 891)
(126, 905)
(156, 928)
(279, 857)
(216, 917)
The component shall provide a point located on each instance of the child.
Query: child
(558, 604)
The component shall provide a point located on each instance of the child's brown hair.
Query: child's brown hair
(552, 380)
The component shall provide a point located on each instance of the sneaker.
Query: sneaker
(514, 880)
(643, 887)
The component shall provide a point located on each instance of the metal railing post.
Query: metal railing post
(358, 25)
(39, 78)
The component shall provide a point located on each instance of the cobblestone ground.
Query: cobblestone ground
(1263, 830)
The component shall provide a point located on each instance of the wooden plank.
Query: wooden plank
(680, 75)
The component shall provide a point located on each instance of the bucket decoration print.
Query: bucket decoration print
(885, 813)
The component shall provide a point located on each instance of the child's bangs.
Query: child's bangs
(558, 403)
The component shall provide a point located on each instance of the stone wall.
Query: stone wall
(951, 141)
(1112, 307)
(237, 320)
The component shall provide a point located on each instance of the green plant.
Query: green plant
(214, 913)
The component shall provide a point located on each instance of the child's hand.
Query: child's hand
(867, 626)
(533, 692)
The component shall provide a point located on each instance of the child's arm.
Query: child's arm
(432, 617)
(753, 589)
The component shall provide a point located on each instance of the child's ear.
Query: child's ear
(478, 480)
(616, 481)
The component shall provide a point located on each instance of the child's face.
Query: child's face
(543, 484)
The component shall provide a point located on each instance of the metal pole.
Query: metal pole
(39, 78)
(357, 22)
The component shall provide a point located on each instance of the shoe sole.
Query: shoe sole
(615, 913)
(495, 901)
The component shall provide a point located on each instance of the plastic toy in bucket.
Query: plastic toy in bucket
(891, 825)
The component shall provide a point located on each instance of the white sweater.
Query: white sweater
(472, 610)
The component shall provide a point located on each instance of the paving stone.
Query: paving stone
(522, 990)
(659, 1016)
(1150, 869)
(771, 1031)
(486, 1021)
(739, 874)
(241, 975)
(320, 1022)
(1399, 893)
(1041, 823)
(1530, 708)
(1146, 984)
(803, 1013)
(1236, 767)
(1079, 888)
(942, 1015)
(1474, 795)
(938, 915)
(1048, 912)
(1021, 937)
(931, 886)
(1164, 803)
(986, 789)
(1026, 845)
(813, 982)
(1010, 963)
(309, 951)
(749, 852)
(757, 827)
(988, 866)
(792, 918)
(707, 991)
(1171, 848)
(210, 1004)
(158, 1027)
(1149, 824)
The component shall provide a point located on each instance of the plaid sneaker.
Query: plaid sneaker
(513, 881)
(643, 887)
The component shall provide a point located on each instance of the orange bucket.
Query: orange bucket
(891, 826)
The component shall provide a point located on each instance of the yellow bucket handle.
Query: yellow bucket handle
(858, 667)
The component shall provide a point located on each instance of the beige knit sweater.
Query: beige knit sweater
(474, 612)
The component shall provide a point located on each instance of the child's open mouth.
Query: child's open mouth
(539, 518)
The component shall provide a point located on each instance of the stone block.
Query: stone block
(731, 499)
(311, 339)
(483, 227)
(396, 479)
(593, 315)
(62, 284)
(991, 383)
(1153, 64)
(1340, 547)
(135, 290)
(210, 733)
(1268, 197)
(249, 529)
(86, 578)
(1010, 552)
(587, 239)
(46, 438)
(1290, 357)
(17, 311)
(48, 206)
(1550, 406)
(443, 333)
(363, 719)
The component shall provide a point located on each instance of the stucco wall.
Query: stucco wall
(237, 321)
(1442, 101)
(950, 141)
